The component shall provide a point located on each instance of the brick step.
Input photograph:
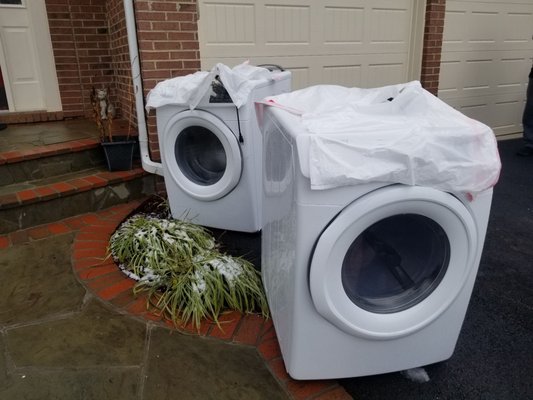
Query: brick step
(36, 202)
(51, 160)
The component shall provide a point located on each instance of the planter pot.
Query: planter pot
(119, 154)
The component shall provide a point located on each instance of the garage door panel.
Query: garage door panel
(288, 24)
(344, 25)
(501, 112)
(346, 75)
(486, 58)
(359, 70)
(229, 24)
(483, 73)
(390, 25)
(473, 25)
(297, 27)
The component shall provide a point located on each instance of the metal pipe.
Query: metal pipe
(147, 164)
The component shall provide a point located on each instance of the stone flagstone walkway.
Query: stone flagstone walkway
(68, 335)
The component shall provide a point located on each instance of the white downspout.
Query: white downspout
(147, 164)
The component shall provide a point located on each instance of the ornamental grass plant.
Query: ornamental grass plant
(179, 265)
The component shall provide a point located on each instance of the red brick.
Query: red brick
(27, 196)
(154, 315)
(249, 330)
(88, 235)
(97, 252)
(57, 148)
(81, 264)
(46, 193)
(124, 299)
(108, 280)
(138, 307)
(337, 393)
(58, 228)
(104, 230)
(301, 390)
(91, 219)
(269, 333)
(32, 153)
(269, 349)
(8, 200)
(277, 366)
(228, 324)
(80, 184)
(63, 188)
(90, 244)
(4, 242)
(94, 272)
(13, 156)
(96, 181)
(190, 327)
(38, 233)
(89, 142)
(75, 222)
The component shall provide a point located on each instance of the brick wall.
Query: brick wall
(431, 55)
(80, 40)
(120, 60)
(168, 45)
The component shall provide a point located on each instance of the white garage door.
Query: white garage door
(487, 55)
(362, 43)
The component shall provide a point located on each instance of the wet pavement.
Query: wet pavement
(27, 136)
(59, 342)
(493, 359)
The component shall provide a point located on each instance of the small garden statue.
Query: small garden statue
(103, 111)
(106, 107)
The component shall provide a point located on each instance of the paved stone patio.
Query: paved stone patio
(70, 328)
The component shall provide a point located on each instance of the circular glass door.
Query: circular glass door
(395, 263)
(392, 261)
(202, 155)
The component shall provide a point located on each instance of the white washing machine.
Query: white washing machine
(364, 279)
(211, 158)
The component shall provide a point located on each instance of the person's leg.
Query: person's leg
(527, 121)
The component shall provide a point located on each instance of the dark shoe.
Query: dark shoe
(525, 152)
(2, 126)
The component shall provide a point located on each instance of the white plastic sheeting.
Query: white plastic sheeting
(190, 89)
(399, 134)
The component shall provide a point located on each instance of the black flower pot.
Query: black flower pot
(119, 153)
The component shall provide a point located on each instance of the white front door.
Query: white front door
(26, 57)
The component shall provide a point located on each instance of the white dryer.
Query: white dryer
(211, 158)
(363, 279)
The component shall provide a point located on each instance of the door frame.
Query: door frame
(43, 50)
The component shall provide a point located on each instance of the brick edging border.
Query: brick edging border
(14, 156)
(100, 276)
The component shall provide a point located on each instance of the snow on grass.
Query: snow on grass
(180, 266)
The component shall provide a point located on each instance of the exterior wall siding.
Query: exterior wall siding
(80, 40)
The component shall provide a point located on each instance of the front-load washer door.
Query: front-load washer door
(393, 261)
(202, 155)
